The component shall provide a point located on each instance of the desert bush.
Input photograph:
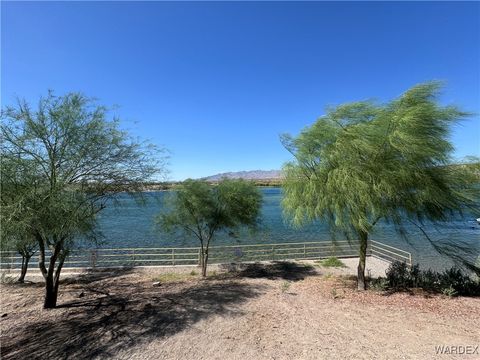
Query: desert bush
(380, 284)
(399, 276)
(450, 282)
(450, 291)
(459, 281)
(332, 262)
(285, 286)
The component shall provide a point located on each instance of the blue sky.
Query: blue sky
(217, 82)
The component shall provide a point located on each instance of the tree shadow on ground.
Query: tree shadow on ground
(87, 277)
(26, 284)
(98, 274)
(277, 270)
(125, 315)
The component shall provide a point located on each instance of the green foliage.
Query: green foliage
(450, 282)
(460, 282)
(450, 291)
(285, 286)
(213, 274)
(335, 293)
(200, 209)
(332, 262)
(16, 215)
(65, 159)
(379, 284)
(363, 161)
(70, 140)
(173, 277)
(400, 276)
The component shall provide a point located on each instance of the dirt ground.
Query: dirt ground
(260, 311)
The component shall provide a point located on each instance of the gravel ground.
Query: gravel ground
(262, 311)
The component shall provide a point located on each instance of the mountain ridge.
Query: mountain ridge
(247, 175)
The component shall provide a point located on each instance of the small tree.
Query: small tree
(19, 239)
(25, 245)
(202, 210)
(80, 159)
(16, 216)
(363, 162)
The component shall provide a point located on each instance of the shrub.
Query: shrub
(430, 280)
(380, 284)
(334, 293)
(451, 282)
(450, 291)
(462, 283)
(398, 276)
(172, 277)
(332, 262)
(285, 286)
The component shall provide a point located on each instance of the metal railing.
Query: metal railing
(389, 253)
(91, 258)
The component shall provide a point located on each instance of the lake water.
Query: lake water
(130, 224)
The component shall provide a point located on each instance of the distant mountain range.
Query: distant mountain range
(247, 175)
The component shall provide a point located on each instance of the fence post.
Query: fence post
(133, 257)
(173, 256)
(93, 258)
(273, 253)
(304, 250)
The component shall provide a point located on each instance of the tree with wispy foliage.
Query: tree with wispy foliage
(16, 216)
(202, 210)
(78, 158)
(363, 162)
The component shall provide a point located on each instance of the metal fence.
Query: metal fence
(389, 253)
(91, 258)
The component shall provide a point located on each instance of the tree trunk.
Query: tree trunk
(204, 263)
(51, 275)
(361, 284)
(51, 294)
(201, 260)
(25, 260)
(41, 256)
(51, 285)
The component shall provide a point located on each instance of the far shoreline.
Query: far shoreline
(165, 186)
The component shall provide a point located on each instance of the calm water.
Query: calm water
(130, 224)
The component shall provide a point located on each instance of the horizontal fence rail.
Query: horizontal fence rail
(91, 258)
(389, 253)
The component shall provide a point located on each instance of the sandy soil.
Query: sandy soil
(267, 311)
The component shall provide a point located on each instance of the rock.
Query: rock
(156, 283)
(82, 294)
(4, 315)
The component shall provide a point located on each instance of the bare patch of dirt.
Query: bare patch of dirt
(248, 312)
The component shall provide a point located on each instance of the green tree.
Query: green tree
(202, 210)
(363, 162)
(80, 158)
(16, 236)
(16, 216)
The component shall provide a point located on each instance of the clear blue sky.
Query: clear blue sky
(217, 82)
